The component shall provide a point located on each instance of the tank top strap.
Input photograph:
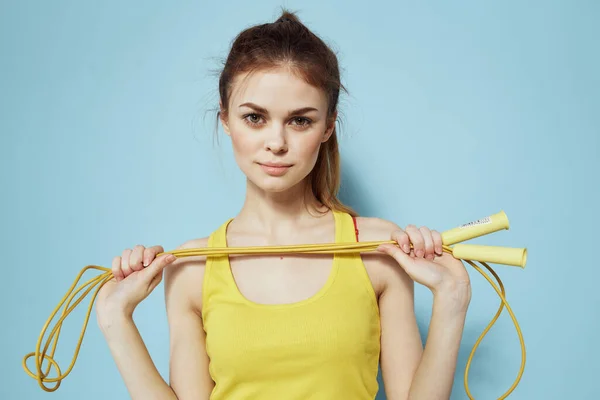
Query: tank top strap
(219, 237)
(344, 227)
(352, 272)
(216, 282)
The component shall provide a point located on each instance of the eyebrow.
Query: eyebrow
(262, 110)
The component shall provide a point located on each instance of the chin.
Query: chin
(276, 184)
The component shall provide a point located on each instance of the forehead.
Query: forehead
(276, 89)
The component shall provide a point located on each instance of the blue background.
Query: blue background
(457, 110)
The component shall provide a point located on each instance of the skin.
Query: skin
(274, 212)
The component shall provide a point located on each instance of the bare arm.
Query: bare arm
(401, 345)
(435, 374)
(189, 374)
(141, 377)
(189, 366)
(410, 372)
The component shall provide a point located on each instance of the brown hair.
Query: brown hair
(287, 42)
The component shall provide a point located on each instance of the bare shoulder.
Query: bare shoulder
(184, 277)
(377, 228)
(383, 270)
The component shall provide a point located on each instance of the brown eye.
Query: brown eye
(252, 119)
(301, 121)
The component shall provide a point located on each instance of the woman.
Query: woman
(293, 326)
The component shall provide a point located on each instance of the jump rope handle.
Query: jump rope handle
(493, 254)
(483, 226)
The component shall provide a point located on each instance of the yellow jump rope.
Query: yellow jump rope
(467, 252)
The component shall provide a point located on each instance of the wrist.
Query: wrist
(454, 299)
(109, 319)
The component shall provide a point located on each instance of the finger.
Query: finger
(150, 254)
(428, 240)
(158, 265)
(437, 242)
(401, 237)
(416, 238)
(135, 260)
(125, 263)
(403, 259)
(156, 280)
(116, 268)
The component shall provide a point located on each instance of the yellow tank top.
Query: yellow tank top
(323, 347)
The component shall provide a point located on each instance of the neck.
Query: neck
(271, 213)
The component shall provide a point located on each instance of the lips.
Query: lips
(275, 169)
(275, 164)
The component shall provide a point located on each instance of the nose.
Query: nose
(276, 140)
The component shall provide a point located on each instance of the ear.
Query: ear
(223, 119)
(330, 127)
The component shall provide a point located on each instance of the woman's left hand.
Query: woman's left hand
(428, 265)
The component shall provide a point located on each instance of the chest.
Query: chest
(331, 332)
(286, 279)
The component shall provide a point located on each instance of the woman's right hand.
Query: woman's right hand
(137, 272)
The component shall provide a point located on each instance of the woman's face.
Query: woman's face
(277, 123)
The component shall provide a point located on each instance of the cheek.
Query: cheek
(308, 148)
(244, 142)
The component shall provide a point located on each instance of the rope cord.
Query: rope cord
(42, 355)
